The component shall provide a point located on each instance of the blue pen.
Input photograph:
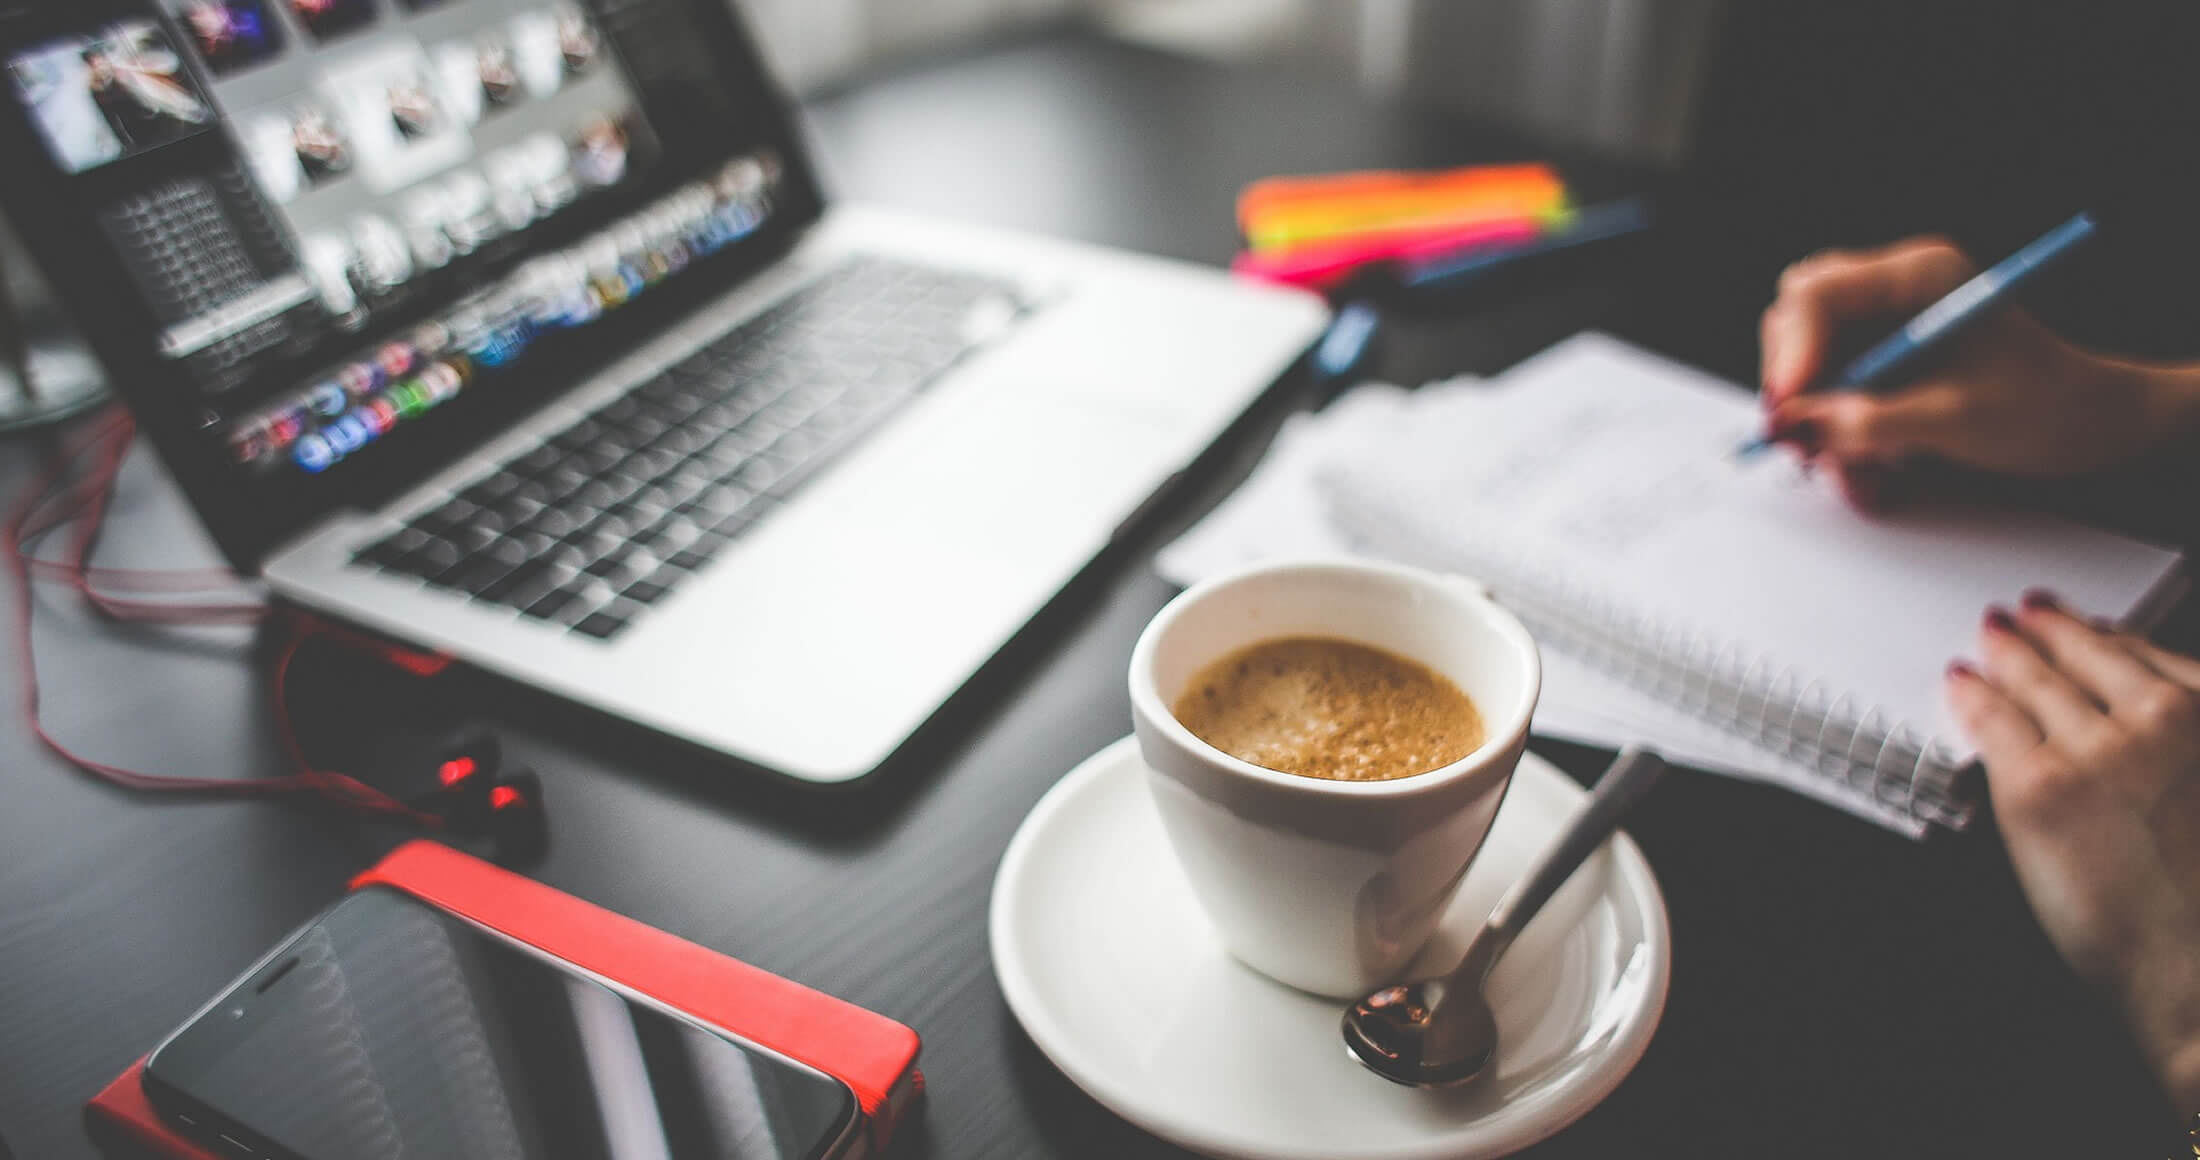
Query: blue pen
(1886, 365)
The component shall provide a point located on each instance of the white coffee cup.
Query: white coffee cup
(1331, 886)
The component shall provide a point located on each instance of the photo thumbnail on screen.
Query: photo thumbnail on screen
(96, 99)
(230, 34)
(577, 41)
(498, 75)
(327, 18)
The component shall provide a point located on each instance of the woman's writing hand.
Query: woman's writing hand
(2008, 396)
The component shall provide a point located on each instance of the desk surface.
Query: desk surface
(1836, 990)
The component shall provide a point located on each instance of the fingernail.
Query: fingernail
(1998, 618)
(1961, 668)
(2040, 599)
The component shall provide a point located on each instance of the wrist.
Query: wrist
(2165, 398)
(2161, 1000)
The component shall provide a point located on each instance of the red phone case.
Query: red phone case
(872, 1054)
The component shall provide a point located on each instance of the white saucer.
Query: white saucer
(1111, 966)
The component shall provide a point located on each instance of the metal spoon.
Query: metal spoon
(1440, 1032)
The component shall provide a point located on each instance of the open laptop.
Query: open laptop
(520, 330)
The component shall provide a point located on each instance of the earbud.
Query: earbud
(516, 821)
(465, 774)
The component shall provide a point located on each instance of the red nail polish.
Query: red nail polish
(1999, 619)
(2040, 599)
(1961, 668)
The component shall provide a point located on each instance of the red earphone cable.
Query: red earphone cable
(48, 505)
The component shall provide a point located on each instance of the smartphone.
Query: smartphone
(388, 1028)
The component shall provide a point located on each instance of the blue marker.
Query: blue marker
(1891, 362)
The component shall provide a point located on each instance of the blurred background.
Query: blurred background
(1614, 74)
(1770, 128)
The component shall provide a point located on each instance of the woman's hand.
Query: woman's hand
(2091, 741)
(2009, 396)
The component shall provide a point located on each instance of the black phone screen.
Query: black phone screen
(390, 1029)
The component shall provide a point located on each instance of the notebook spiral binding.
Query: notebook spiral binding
(1773, 705)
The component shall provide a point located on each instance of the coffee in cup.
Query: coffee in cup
(1331, 885)
(1330, 708)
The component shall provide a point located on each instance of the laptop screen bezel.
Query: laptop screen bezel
(250, 518)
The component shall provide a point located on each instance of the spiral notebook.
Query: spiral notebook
(1593, 489)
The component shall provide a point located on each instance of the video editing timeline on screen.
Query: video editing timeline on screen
(361, 399)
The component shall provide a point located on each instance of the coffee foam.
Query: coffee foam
(1328, 708)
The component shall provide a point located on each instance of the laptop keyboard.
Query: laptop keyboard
(604, 518)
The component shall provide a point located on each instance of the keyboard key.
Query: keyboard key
(581, 434)
(550, 604)
(566, 557)
(560, 481)
(595, 459)
(556, 523)
(517, 510)
(471, 539)
(595, 545)
(522, 585)
(760, 472)
(595, 496)
(652, 588)
(449, 516)
(682, 440)
(611, 563)
(608, 620)
(672, 534)
(432, 559)
(650, 463)
(533, 464)
(388, 551)
(616, 528)
(494, 489)
(689, 559)
(475, 575)
(719, 500)
(643, 429)
(619, 410)
(601, 625)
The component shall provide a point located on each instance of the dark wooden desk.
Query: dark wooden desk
(1836, 990)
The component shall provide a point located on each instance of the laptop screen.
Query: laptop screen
(339, 222)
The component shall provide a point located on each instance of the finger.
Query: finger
(1851, 425)
(2176, 666)
(2026, 677)
(1818, 294)
(1772, 335)
(2106, 670)
(2001, 730)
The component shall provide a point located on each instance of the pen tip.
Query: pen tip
(1752, 448)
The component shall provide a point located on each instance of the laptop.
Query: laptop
(520, 330)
